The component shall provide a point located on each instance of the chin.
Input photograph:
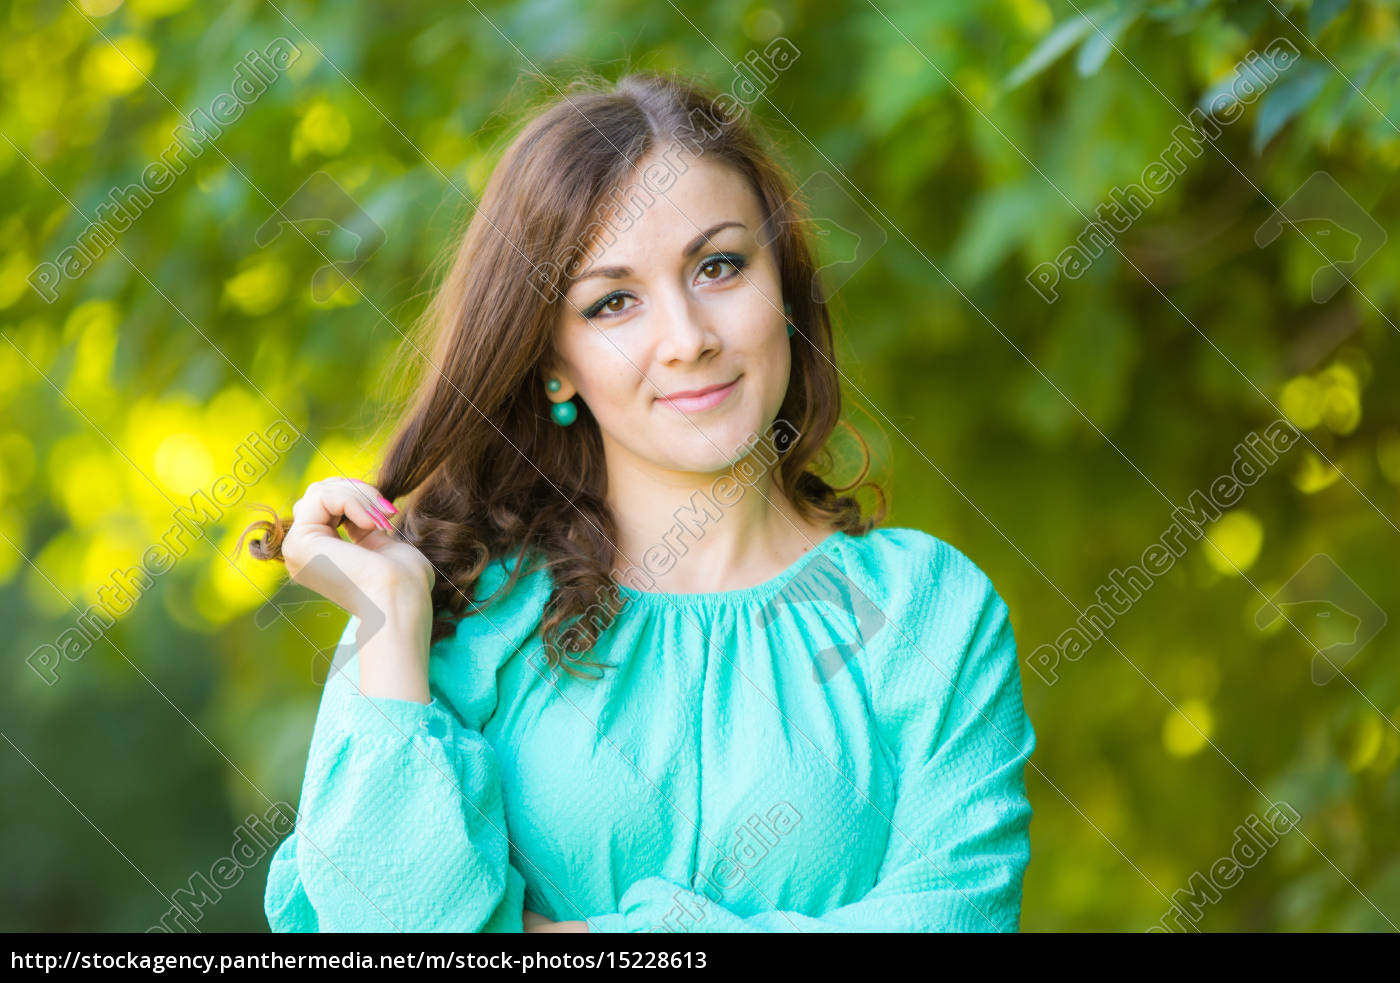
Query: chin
(709, 448)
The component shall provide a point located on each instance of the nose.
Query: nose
(686, 333)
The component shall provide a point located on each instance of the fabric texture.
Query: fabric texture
(841, 748)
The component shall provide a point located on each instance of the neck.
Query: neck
(692, 532)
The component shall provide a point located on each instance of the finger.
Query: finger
(359, 535)
(378, 507)
(376, 499)
(326, 502)
(366, 521)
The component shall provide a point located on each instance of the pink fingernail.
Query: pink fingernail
(389, 505)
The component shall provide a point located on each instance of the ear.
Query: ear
(566, 388)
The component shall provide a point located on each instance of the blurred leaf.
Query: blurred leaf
(995, 224)
(1323, 12)
(1287, 99)
(1097, 47)
(1083, 367)
(1060, 39)
(1347, 95)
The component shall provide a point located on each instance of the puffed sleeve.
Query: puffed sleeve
(401, 825)
(959, 839)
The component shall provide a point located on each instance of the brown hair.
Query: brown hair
(489, 473)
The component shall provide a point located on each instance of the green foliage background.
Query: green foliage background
(1050, 442)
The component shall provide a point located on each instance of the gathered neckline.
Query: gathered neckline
(741, 594)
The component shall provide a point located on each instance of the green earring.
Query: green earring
(564, 413)
(787, 308)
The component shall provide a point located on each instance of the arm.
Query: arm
(959, 840)
(401, 825)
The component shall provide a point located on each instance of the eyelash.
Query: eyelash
(733, 259)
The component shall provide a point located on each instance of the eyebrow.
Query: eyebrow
(618, 272)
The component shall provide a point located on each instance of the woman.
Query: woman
(805, 723)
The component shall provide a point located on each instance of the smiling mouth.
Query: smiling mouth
(702, 400)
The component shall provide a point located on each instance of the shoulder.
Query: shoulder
(500, 604)
(922, 574)
(950, 618)
(503, 614)
(953, 656)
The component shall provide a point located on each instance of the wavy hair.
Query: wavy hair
(485, 472)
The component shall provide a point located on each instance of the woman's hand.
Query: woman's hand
(535, 922)
(378, 577)
(375, 566)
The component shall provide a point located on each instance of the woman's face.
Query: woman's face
(664, 310)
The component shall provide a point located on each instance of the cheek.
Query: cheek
(764, 330)
(764, 349)
(606, 369)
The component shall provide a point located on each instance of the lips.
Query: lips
(695, 400)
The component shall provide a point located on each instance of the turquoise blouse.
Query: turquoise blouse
(841, 748)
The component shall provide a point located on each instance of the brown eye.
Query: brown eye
(614, 304)
(734, 262)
